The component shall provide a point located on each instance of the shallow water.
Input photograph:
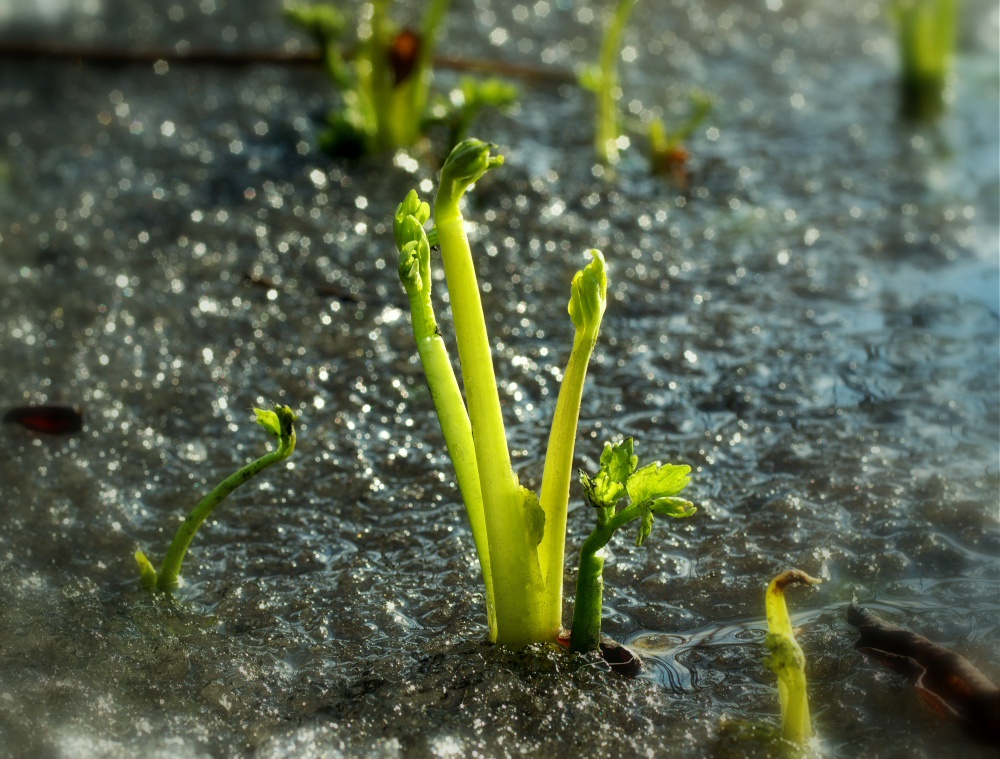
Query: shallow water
(812, 325)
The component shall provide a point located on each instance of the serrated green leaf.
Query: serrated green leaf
(619, 460)
(656, 481)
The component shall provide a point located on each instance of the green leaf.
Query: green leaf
(657, 481)
(493, 93)
(269, 421)
(677, 508)
(278, 422)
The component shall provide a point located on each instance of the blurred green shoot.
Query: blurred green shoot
(459, 110)
(667, 154)
(653, 489)
(786, 659)
(385, 84)
(602, 79)
(280, 423)
(927, 32)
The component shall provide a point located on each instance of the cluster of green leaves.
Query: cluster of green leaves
(385, 99)
(650, 490)
(280, 423)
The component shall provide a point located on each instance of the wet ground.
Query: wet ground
(812, 325)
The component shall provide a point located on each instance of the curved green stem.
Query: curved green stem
(786, 659)
(281, 423)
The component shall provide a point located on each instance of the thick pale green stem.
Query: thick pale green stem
(414, 272)
(513, 517)
(586, 308)
(281, 422)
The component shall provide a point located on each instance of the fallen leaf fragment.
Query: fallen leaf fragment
(947, 681)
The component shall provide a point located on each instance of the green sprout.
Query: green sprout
(786, 659)
(281, 424)
(602, 80)
(385, 86)
(651, 490)
(519, 535)
(667, 154)
(927, 32)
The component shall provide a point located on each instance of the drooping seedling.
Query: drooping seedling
(384, 85)
(281, 424)
(519, 535)
(650, 490)
(786, 660)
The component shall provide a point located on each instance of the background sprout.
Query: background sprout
(281, 424)
(786, 660)
(927, 32)
(653, 489)
(385, 86)
(602, 80)
(667, 154)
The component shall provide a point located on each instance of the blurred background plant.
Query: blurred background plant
(667, 154)
(927, 31)
(384, 81)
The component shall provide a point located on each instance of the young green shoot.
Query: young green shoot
(385, 85)
(927, 32)
(520, 539)
(651, 490)
(602, 80)
(281, 424)
(667, 154)
(786, 660)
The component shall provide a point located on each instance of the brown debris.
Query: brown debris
(947, 682)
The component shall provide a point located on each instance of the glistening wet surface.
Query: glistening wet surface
(812, 325)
